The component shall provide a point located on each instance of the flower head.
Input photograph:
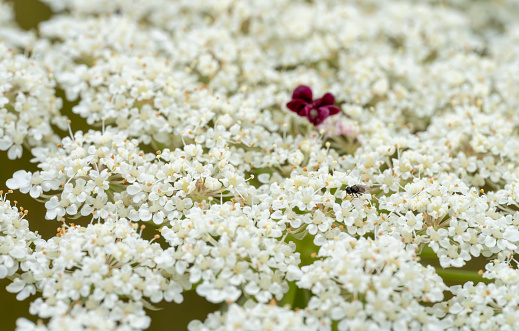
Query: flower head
(315, 110)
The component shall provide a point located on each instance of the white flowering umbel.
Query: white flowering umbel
(122, 316)
(486, 306)
(232, 250)
(16, 242)
(103, 173)
(187, 132)
(481, 306)
(10, 33)
(257, 316)
(375, 284)
(28, 104)
(102, 271)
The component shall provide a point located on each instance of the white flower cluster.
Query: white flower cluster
(121, 317)
(10, 33)
(104, 173)
(144, 86)
(259, 316)
(481, 306)
(230, 251)
(189, 133)
(16, 240)
(102, 274)
(28, 104)
(486, 306)
(458, 223)
(217, 243)
(374, 284)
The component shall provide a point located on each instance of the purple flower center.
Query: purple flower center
(315, 110)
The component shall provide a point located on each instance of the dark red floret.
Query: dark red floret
(315, 110)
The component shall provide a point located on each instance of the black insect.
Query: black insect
(356, 190)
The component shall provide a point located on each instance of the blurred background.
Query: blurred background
(170, 316)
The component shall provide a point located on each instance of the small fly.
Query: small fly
(357, 190)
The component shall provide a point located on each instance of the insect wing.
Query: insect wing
(364, 189)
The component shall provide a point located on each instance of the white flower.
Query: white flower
(306, 199)
(486, 305)
(296, 158)
(257, 316)
(23, 180)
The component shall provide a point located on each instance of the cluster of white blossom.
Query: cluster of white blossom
(121, 316)
(10, 33)
(481, 307)
(486, 306)
(258, 316)
(103, 274)
(374, 284)
(16, 240)
(106, 174)
(28, 104)
(232, 251)
(188, 132)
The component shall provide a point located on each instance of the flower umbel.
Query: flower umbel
(315, 110)
(186, 176)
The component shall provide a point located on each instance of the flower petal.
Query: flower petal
(299, 106)
(333, 110)
(303, 92)
(327, 99)
(511, 235)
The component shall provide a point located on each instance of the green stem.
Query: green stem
(428, 253)
(290, 296)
